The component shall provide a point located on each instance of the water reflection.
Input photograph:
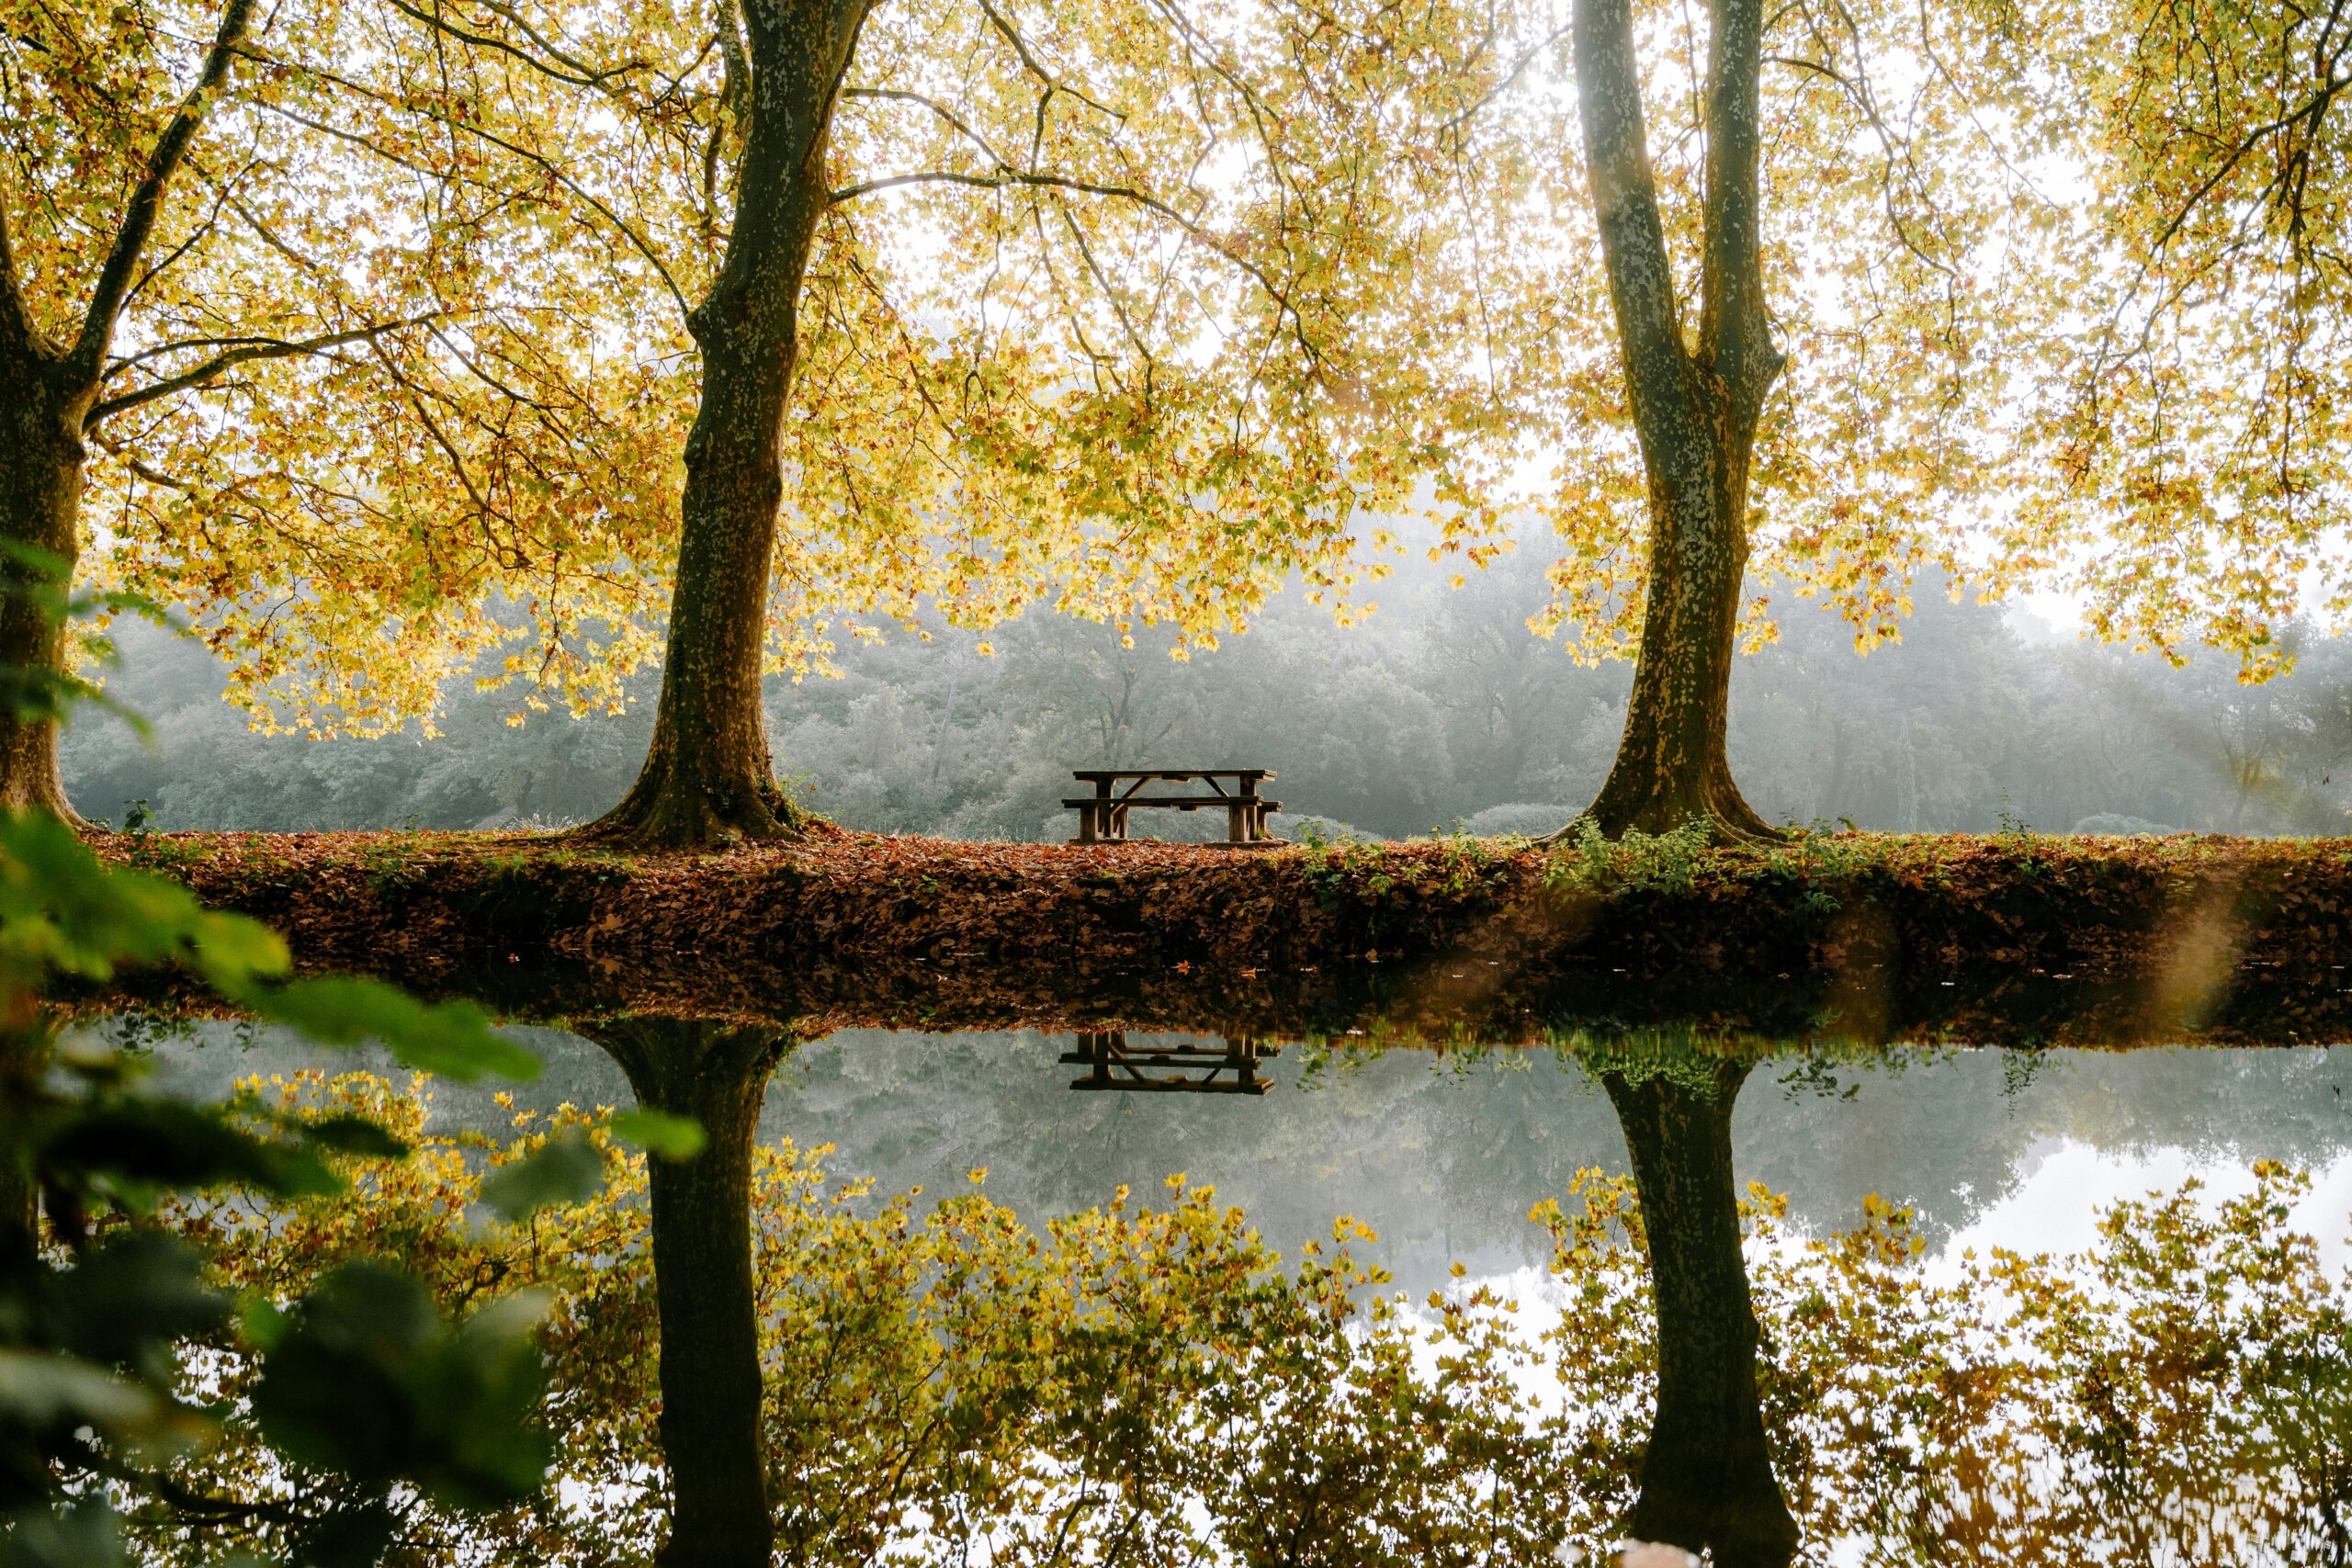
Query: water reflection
(717, 1073)
(1178, 1067)
(1706, 1478)
(1445, 1153)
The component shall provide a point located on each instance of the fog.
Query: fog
(1439, 711)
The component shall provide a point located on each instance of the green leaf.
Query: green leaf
(658, 1133)
(568, 1170)
(369, 1382)
(85, 1535)
(129, 1301)
(38, 1389)
(262, 1323)
(143, 1146)
(349, 1134)
(451, 1039)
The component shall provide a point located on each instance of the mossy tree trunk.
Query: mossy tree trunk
(1695, 412)
(703, 1274)
(708, 777)
(40, 503)
(1707, 1482)
(50, 401)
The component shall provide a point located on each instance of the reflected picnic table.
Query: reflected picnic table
(1185, 1068)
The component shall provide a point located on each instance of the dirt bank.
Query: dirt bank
(1864, 933)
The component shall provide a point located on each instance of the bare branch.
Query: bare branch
(89, 351)
(564, 67)
(247, 351)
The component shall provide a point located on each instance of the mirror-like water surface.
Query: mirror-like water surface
(1442, 1154)
(1904, 1304)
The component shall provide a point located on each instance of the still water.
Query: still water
(1443, 1153)
(1923, 1396)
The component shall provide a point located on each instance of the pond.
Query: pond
(1859, 1301)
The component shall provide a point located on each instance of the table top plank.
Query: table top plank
(1097, 775)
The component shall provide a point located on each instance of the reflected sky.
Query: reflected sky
(1444, 1154)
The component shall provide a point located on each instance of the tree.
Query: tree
(2036, 299)
(1814, 399)
(1695, 409)
(308, 365)
(52, 393)
(1137, 310)
(2189, 430)
(1707, 1481)
(708, 774)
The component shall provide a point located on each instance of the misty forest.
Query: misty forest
(1175, 782)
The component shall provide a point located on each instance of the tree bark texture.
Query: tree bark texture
(40, 503)
(703, 1275)
(1707, 1482)
(708, 776)
(1694, 412)
(48, 400)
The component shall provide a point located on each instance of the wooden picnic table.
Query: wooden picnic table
(1102, 815)
(1229, 1067)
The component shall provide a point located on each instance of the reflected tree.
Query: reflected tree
(1707, 1481)
(716, 1073)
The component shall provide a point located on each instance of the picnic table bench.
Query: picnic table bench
(1102, 815)
(1185, 1068)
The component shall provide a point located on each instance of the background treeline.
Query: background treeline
(1439, 710)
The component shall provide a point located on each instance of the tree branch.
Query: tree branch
(89, 351)
(1036, 68)
(1734, 333)
(573, 72)
(247, 351)
(1624, 201)
(1022, 178)
(17, 332)
(961, 126)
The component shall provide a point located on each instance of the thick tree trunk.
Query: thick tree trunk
(708, 777)
(1695, 411)
(703, 1274)
(48, 397)
(1672, 765)
(41, 500)
(1707, 1482)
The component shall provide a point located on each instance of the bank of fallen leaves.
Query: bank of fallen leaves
(1885, 930)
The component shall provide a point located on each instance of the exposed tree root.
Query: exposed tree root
(672, 807)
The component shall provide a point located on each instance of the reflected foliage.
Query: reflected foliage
(947, 1382)
(368, 1391)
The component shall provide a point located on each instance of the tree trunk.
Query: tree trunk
(708, 777)
(1707, 1482)
(1694, 409)
(703, 1276)
(49, 398)
(1672, 764)
(40, 502)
